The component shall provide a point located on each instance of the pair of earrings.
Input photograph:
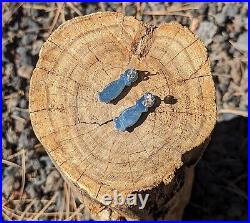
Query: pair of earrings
(130, 115)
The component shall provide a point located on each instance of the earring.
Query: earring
(113, 89)
(132, 114)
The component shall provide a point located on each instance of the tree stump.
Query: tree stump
(157, 156)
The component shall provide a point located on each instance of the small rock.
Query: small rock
(230, 10)
(4, 143)
(245, 22)
(22, 57)
(52, 182)
(14, 27)
(12, 103)
(245, 75)
(25, 71)
(130, 10)
(27, 39)
(194, 24)
(23, 141)
(35, 164)
(16, 185)
(7, 185)
(19, 125)
(227, 117)
(32, 24)
(36, 47)
(6, 153)
(220, 19)
(30, 189)
(244, 102)
(48, 163)
(41, 178)
(37, 206)
(239, 23)
(206, 32)
(236, 72)
(92, 8)
(59, 200)
(9, 69)
(24, 115)
(227, 96)
(23, 103)
(242, 43)
(236, 53)
(16, 82)
(11, 136)
(212, 8)
(22, 51)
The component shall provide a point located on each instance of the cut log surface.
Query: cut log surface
(85, 54)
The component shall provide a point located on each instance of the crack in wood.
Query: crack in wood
(143, 41)
(96, 123)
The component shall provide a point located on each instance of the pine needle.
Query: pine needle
(234, 112)
(9, 163)
(40, 213)
(58, 11)
(23, 171)
(76, 212)
(76, 10)
(27, 208)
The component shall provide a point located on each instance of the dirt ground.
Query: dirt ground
(33, 188)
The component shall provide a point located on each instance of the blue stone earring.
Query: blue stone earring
(113, 89)
(132, 114)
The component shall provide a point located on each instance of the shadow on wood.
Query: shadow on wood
(142, 76)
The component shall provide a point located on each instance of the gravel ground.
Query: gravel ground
(33, 188)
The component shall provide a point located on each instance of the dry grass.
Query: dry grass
(176, 11)
(59, 10)
(69, 209)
